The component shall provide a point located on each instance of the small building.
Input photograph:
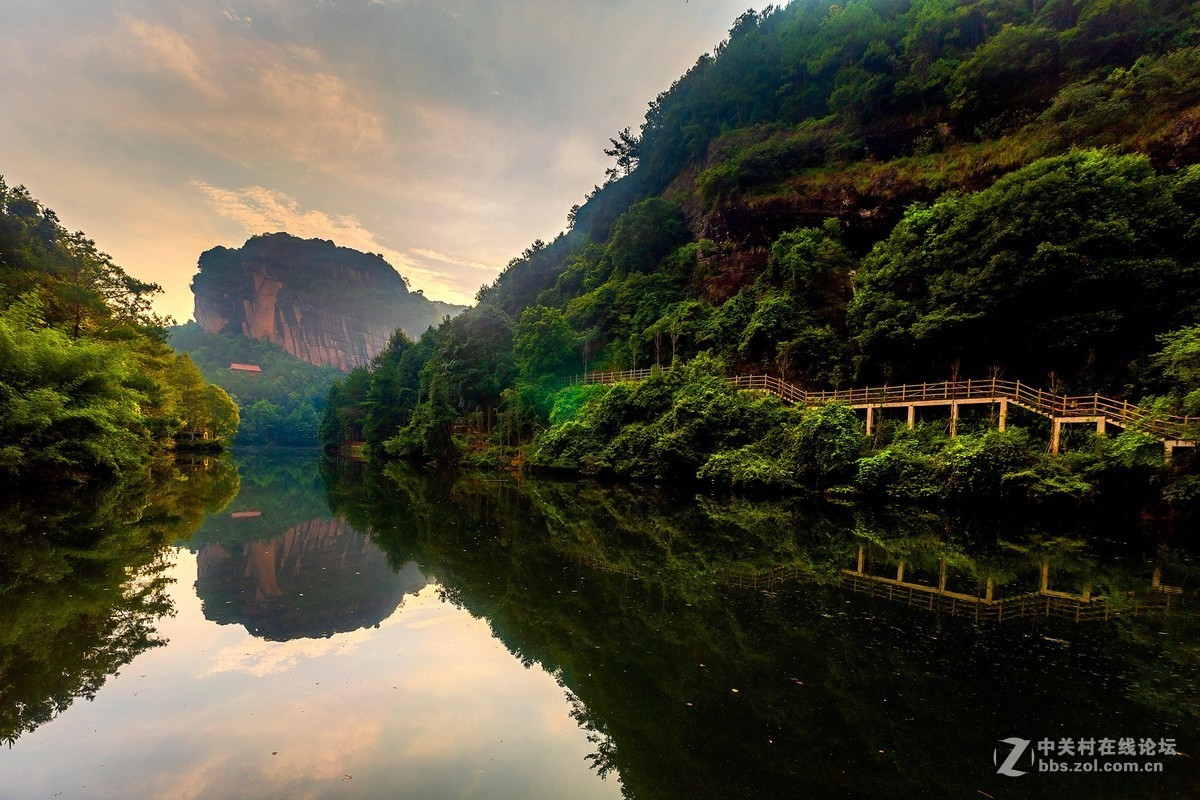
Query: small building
(245, 368)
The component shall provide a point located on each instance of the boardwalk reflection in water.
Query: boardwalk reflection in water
(960, 593)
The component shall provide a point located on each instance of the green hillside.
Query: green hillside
(858, 194)
(88, 388)
(281, 405)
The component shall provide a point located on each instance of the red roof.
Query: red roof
(246, 367)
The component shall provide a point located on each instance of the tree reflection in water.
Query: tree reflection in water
(713, 648)
(82, 582)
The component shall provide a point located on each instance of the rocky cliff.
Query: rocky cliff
(322, 303)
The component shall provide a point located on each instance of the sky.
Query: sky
(446, 136)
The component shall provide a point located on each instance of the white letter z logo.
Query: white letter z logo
(1018, 749)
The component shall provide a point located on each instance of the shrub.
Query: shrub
(747, 468)
(825, 445)
(569, 402)
(900, 471)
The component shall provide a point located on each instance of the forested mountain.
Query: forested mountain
(876, 191)
(851, 113)
(88, 387)
(281, 401)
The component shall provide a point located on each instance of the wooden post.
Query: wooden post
(1055, 435)
(941, 575)
(900, 572)
(861, 559)
(870, 420)
(912, 416)
(1168, 450)
(1045, 582)
(988, 589)
(1003, 414)
(1101, 427)
(953, 419)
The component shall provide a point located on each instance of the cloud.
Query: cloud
(199, 82)
(257, 209)
(166, 51)
(434, 255)
(333, 113)
(233, 16)
(447, 136)
(262, 658)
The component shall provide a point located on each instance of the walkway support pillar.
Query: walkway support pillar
(1055, 435)
(953, 419)
(912, 417)
(1003, 415)
(870, 420)
(1101, 427)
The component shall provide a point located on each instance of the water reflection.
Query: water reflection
(82, 582)
(556, 633)
(960, 589)
(316, 579)
(689, 685)
(276, 561)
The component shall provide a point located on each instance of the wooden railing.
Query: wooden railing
(1048, 404)
(612, 377)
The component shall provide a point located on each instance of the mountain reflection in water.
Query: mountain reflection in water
(316, 579)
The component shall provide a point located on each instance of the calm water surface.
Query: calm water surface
(283, 628)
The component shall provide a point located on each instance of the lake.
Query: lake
(277, 626)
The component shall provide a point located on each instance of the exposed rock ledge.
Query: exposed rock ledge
(322, 303)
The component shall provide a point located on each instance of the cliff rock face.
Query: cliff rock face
(322, 303)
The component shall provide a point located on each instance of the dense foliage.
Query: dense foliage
(87, 385)
(281, 405)
(848, 194)
(690, 422)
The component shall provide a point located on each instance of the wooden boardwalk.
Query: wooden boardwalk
(1093, 409)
